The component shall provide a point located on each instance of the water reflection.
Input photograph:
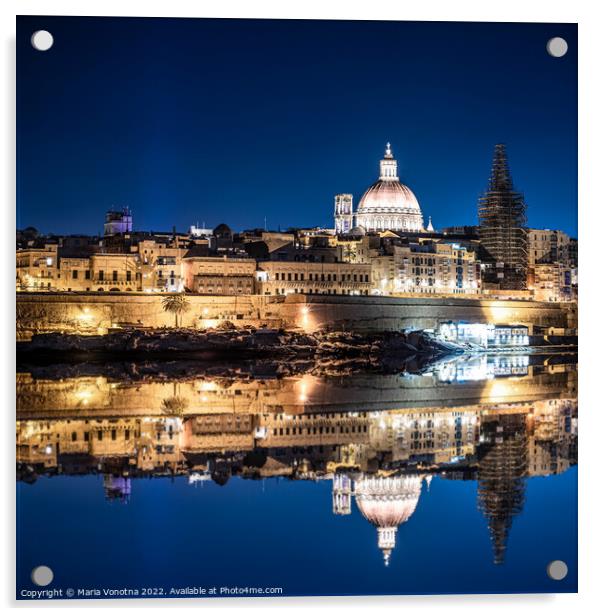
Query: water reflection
(379, 439)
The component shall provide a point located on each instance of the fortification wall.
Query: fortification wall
(313, 312)
(95, 313)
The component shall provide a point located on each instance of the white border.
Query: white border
(590, 170)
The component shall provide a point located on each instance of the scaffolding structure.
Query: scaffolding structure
(502, 228)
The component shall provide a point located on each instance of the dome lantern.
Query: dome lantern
(388, 166)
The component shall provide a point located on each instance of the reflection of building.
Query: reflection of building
(553, 446)
(140, 443)
(386, 502)
(424, 437)
(485, 335)
(503, 465)
(117, 488)
(272, 428)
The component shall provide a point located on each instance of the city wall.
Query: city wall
(94, 313)
(94, 397)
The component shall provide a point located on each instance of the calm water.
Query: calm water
(462, 479)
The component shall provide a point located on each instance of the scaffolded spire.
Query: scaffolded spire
(502, 228)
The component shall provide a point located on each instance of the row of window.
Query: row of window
(322, 277)
(101, 275)
(321, 292)
(320, 430)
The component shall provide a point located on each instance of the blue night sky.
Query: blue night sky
(187, 120)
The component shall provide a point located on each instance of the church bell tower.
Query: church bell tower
(343, 213)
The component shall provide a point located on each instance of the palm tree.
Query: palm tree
(174, 406)
(177, 304)
(350, 253)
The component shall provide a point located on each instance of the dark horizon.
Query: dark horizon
(237, 121)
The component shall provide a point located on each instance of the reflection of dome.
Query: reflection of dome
(389, 204)
(387, 502)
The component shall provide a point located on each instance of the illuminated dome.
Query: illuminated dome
(388, 204)
(387, 502)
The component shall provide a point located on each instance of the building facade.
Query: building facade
(433, 268)
(118, 222)
(219, 275)
(37, 268)
(551, 282)
(319, 278)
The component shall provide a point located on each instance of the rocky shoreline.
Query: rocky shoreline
(237, 344)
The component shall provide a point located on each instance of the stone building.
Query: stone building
(160, 263)
(343, 213)
(552, 274)
(219, 275)
(549, 246)
(359, 248)
(430, 267)
(100, 272)
(118, 222)
(551, 282)
(337, 278)
(37, 268)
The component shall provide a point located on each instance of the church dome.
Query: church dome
(392, 197)
(388, 204)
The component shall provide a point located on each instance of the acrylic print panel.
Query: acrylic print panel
(296, 308)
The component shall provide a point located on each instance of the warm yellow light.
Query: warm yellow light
(84, 396)
(85, 315)
(208, 386)
(209, 323)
